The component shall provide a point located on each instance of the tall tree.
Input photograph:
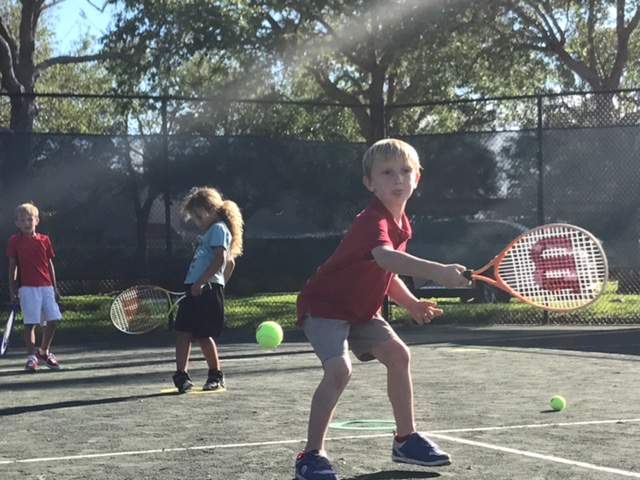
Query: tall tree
(23, 61)
(352, 52)
(590, 42)
(19, 70)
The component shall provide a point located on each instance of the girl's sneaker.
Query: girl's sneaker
(419, 450)
(182, 381)
(215, 380)
(32, 364)
(49, 359)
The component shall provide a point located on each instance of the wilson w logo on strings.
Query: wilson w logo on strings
(555, 265)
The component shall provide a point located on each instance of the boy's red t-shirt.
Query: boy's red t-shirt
(350, 285)
(33, 255)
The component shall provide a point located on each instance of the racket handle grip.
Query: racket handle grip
(467, 274)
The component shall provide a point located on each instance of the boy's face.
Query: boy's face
(27, 222)
(392, 181)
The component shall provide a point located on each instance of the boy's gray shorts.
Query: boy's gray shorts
(330, 337)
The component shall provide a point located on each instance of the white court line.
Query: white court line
(540, 456)
(435, 433)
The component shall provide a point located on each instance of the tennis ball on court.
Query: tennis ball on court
(558, 403)
(269, 334)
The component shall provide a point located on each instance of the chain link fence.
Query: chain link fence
(493, 168)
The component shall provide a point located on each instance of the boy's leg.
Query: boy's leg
(409, 446)
(51, 315)
(29, 338)
(329, 340)
(30, 344)
(48, 331)
(337, 372)
(394, 354)
(43, 353)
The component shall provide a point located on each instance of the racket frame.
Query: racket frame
(498, 282)
(6, 334)
(173, 305)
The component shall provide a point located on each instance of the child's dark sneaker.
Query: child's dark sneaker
(49, 359)
(182, 381)
(215, 380)
(419, 450)
(32, 364)
(313, 466)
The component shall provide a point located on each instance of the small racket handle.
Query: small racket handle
(468, 274)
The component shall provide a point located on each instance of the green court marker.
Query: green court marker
(366, 424)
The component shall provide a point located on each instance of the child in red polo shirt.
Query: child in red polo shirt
(339, 308)
(32, 282)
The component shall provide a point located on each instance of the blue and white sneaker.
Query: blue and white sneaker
(419, 450)
(313, 466)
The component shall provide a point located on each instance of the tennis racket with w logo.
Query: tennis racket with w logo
(556, 267)
(143, 308)
(8, 327)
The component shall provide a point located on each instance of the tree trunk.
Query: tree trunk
(378, 126)
(22, 113)
(18, 156)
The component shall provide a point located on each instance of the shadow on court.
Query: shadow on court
(4, 412)
(55, 379)
(394, 475)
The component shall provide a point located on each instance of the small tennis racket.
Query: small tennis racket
(143, 308)
(556, 267)
(8, 327)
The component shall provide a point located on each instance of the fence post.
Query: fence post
(541, 217)
(540, 208)
(167, 192)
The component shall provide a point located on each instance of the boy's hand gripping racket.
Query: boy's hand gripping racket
(556, 267)
(143, 308)
(8, 327)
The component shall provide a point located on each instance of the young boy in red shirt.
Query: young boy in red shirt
(32, 282)
(339, 308)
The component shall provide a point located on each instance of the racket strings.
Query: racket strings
(556, 267)
(140, 309)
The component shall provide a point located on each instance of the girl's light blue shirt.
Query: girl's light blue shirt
(218, 235)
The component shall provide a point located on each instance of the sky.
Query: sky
(71, 20)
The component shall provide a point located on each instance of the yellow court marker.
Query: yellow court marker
(193, 391)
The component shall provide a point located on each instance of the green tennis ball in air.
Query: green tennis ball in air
(269, 334)
(558, 403)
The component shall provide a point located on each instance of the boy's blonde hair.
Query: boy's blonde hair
(28, 208)
(210, 200)
(387, 149)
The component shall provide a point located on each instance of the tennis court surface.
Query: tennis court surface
(481, 393)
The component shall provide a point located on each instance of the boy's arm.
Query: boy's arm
(52, 272)
(400, 293)
(401, 263)
(422, 311)
(13, 280)
(214, 266)
(229, 268)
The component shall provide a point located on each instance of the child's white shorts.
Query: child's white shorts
(38, 305)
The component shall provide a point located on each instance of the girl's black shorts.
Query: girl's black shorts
(202, 316)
